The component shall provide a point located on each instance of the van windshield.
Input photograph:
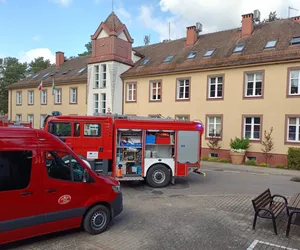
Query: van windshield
(60, 128)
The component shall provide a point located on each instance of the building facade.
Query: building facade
(238, 82)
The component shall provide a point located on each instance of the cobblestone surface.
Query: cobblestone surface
(176, 218)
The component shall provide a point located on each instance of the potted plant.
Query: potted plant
(238, 149)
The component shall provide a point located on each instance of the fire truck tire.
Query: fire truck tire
(158, 176)
(96, 220)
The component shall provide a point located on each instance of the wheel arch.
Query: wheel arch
(103, 203)
(160, 163)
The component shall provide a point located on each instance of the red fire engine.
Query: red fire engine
(133, 148)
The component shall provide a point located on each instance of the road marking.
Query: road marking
(255, 242)
(259, 174)
(231, 171)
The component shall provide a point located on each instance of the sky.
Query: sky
(33, 28)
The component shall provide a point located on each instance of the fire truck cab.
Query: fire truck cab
(133, 148)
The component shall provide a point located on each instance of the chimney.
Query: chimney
(191, 35)
(247, 24)
(60, 58)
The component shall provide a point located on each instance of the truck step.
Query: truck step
(131, 178)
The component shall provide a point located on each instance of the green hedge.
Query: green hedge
(294, 158)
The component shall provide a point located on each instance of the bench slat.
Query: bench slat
(262, 196)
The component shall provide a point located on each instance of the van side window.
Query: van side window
(60, 128)
(63, 166)
(92, 130)
(15, 170)
(76, 129)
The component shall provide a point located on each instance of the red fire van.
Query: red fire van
(45, 187)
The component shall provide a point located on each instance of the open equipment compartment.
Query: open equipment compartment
(129, 152)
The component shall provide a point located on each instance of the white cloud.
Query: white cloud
(124, 15)
(34, 53)
(3, 1)
(36, 38)
(213, 14)
(63, 3)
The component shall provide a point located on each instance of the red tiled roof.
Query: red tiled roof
(113, 22)
(224, 42)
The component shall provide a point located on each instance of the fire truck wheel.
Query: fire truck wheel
(96, 220)
(158, 176)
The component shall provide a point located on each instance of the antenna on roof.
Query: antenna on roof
(112, 5)
(147, 40)
(169, 31)
(289, 10)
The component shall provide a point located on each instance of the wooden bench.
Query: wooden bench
(265, 207)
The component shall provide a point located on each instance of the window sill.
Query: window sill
(253, 97)
(130, 101)
(292, 143)
(215, 98)
(183, 100)
(154, 100)
(293, 96)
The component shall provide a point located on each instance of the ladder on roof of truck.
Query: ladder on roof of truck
(23, 124)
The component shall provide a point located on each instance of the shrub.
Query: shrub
(212, 159)
(263, 165)
(294, 158)
(214, 141)
(268, 145)
(224, 160)
(205, 158)
(280, 166)
(251, 162)
(239, 144)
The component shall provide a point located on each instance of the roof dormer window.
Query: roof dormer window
(168, 59)
(271, 44)
(239, 48)
(145, 61)
(192, 55)
(209, 52)
(295, 40)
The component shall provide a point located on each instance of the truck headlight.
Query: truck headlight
(116, 189)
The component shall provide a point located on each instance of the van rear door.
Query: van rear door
(20, 190)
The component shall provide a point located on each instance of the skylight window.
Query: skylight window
(295, 40)
(168, 59)
(145, 61)
(209, 52)
(35, 76)
(46, 75)
(80, 71)
(239, 48)
(192, 55)
(271, 44)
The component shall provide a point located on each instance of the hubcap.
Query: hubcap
(98, 220)
(158, 176)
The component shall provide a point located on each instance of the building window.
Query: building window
(103, 103)
(183, 89)
(293, 133)
(18, 117)
(131, 92)
(96, 103)
(19, 98)
(103, 76)
(214, 126)
(44, 97)
(30, 119)
(252, 128)
(155, 91)
(294, 82)
(182, 117)
(42, 119)
(57, 96)
(254, 84)
(92, 130)
(73, 95)
(15, 169)
(215, 87)
(30, 97)
(96, 81)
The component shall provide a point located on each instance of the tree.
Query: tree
(214, 142)
(11, 71)
(88, 51)
(268, 145)
(38, 64)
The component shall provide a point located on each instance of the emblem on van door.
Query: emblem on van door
(65, 199)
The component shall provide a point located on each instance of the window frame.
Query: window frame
(286, 137)
(207, 136)
(271, 41)
(17, 99)
(57, 90)
(103, 80)
(151, 83)
(191, 55)
(133, 90)
(96, 72)
(177, 88)
(46, 96)
(93, 136)
(288, 85)
(42, 115)
(103, 102)
(95, 107)
(19, 120)
(209, 77)
(168, 58)
(252, 127)
(182, 115)
(71, 95)
(238, 51)
(206, 54)
(28, 97)
(245, 85)
(32, 118)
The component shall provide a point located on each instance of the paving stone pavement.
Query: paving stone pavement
(181, 221)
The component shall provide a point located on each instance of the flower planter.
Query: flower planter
(237, 157)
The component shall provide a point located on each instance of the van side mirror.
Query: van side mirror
(85, 176)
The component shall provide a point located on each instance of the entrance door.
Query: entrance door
(20, 192)
(188, 147)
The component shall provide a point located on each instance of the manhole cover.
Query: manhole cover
(296, 179)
